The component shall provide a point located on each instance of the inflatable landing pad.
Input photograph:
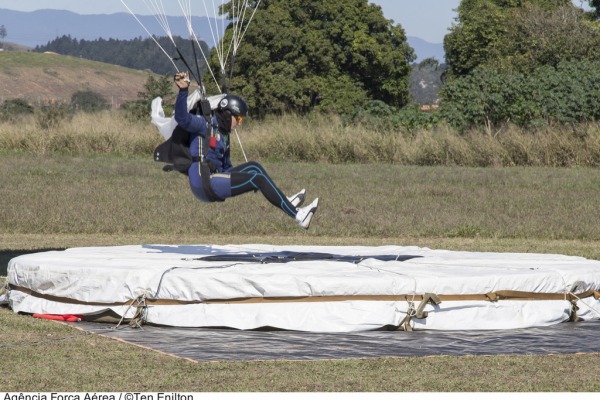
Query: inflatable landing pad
(308, 288)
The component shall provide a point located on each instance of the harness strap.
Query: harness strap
(205, 170)
(428, 298)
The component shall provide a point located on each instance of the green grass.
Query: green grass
(100, 194)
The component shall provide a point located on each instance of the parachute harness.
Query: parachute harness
(226, 52)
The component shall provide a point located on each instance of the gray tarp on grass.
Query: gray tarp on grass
(233, 345)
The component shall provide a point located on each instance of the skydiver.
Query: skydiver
(225, 179)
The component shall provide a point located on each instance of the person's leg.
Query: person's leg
(296, 199)
(252, 176)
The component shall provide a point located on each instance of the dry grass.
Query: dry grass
(39, 77)
(101, 132)
(325, 139)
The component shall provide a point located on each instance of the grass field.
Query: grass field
(52, 201)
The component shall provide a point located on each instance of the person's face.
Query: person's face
(236, 120)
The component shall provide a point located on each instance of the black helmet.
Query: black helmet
(235, 104)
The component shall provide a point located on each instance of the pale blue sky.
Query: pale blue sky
(427, 19)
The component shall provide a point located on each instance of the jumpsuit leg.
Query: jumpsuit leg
(252, 176)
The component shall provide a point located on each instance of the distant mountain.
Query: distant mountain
(425, 49)
(37, 28)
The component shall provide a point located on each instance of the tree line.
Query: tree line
(139, 53)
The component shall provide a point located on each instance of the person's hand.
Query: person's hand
(182, 80)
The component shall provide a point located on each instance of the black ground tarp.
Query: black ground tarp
(233, 345)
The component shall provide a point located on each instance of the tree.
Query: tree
(472, 41)
(162, 86)
(595, 4)
(303, 55)
(136, 53)
(529, 62)
(492, 32)
(3, 32)
(539, 36)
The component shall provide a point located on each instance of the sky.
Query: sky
(426, 19)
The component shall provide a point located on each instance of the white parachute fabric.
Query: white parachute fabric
(165, 124)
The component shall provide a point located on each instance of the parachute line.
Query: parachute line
(249, 21)
(225, 51)
(151, 36)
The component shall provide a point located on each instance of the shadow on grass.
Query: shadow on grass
(7, 255)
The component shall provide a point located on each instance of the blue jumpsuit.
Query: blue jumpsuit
(226, 180)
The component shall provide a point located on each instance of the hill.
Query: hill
(424, 49)
(41, 77)
(9, 46)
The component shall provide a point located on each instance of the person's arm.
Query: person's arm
(187, 121)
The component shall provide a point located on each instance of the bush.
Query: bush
(11, 110)
(375, 114)
(381, 117)
(52, 114)
(139, 110)
(88, 100)
(411, 118)
(567, 94)
(136, 110)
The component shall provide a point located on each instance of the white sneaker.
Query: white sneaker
(298, 199)
(305, 214)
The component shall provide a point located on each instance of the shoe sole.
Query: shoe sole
(309, 217)
(300, 198)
